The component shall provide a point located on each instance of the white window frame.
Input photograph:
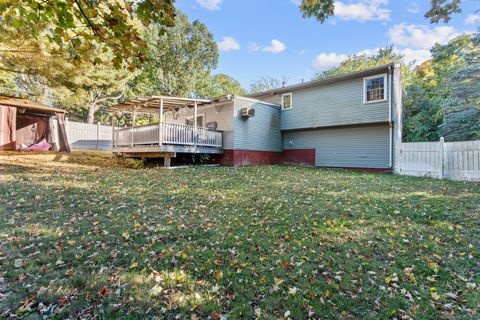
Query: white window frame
(385, 88)
(198, 116)
(291, 101)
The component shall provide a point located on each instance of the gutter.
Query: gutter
(390, 110)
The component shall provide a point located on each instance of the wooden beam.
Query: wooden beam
(149, 155)
(195, 133)
(160, 124)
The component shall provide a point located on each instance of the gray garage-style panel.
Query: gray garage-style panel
(351, 147)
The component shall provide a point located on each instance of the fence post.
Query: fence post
(98, 135)
(442, 157)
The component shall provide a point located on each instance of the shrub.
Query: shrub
(135, 164)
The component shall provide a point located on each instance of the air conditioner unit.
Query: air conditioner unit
(247, 112)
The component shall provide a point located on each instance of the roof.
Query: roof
(324, 81)
(151, 104)
(27, 104)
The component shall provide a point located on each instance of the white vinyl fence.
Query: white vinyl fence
(89, 136)
(442, 160)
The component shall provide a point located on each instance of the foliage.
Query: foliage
(220, 85)
(84, 237)
(97, 87)
(134, 164)
(264, 84)
(462, 106)
(76, 27)
(443, 10)
(442, 97)
(324, 9)
(319, 9)
(179, 60)
(422, 112)
(364, 61)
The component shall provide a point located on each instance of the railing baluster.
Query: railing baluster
(172, 133)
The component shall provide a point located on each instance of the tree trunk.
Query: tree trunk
(91, 112)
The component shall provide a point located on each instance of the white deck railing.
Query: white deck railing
(171, 133)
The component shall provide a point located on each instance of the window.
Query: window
(286, 101)
(374, 88)
(200, 118)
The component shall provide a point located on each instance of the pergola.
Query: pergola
(157, 104)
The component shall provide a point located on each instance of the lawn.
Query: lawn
(84, 236)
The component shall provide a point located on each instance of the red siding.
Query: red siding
(247, 157)
(299, 156)
(225, 159)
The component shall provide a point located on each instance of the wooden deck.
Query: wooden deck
(165, 140)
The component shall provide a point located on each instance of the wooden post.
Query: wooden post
(195, 133)
(113, 130)
(167, 162)
(442, 156)
(133, 125)
(98, 135)
(160, 124)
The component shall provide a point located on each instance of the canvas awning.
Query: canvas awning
(27, 104)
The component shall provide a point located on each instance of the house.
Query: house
(346, 121)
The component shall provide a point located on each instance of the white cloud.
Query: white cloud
(228, 44)
(210, 4)
(363, 10)
(276, 46)
(415, 56)
(472, 19)
(296, 2)
(325, 61)
(419, 36)
(413, 7)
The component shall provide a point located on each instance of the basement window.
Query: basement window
(286, 101)
(375, 89)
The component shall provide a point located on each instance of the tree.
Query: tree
(364, 61)
(75, 27)
(220, 85)
(422, 112)
(443, 96)
(324, 9)
(462, 106)
(179, 60)
(96, 87)
(264, 84)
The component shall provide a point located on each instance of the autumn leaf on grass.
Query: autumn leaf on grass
(217, 275)
(62, 300)
(104, 291)
(126, 236)
(326, 293)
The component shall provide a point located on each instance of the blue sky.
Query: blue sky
(269, 38)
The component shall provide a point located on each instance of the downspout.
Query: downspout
(390, 106)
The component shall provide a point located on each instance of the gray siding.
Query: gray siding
(334, 104)
(258, 133)
(222, 114)
(355, 147)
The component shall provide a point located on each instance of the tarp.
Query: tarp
(31, 129)
(20, 130)
(62, 133)
(8, 121)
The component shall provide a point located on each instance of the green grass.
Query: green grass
(82, 235)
